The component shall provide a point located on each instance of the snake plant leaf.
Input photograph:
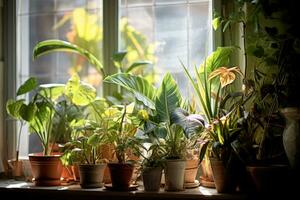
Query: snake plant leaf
(168, 98)
(27, 86)
(137, 64)
(143, 91)
(79, 92)
(48, 46)
(13, 107)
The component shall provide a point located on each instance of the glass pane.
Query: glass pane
(67, 20)
(175, 30)
(138, 2)
(169, 1)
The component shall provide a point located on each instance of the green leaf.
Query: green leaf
(27, 112)
(28, 86)
(118, 58)
(218, 58)
(52, 91)
(168, 98)
(143, 91)
(259, 52)
(226, 25)
(216, 23)
(48, 46)
(79, 92)
(13, 107)
(95, 140)
(137, 64)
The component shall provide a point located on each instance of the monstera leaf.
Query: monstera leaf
(143, 91)
(168, 99)
(49, 46)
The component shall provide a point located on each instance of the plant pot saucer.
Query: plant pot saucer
(109, 186)
(192, 185)
(207, 183)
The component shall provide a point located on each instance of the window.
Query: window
(162, 31)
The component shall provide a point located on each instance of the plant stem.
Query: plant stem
(18, 142)
(245, 52)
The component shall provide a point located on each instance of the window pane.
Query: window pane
(76, 21)
(174, 29)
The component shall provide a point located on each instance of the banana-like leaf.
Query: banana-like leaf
(49, 46)
(168, 99)
(143, 91)
(29, 85)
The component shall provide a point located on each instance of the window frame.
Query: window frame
(111, 40)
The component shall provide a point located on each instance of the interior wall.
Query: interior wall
(1, 87)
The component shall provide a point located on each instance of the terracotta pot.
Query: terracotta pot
(174, 175)
(265, 179)
(16, 169)
(152, 178)
(67, 174)
(191, 169)
(206, 177)
(46, 169)
(120, 174)
(91, 176)
(223, 178)
(75, 170)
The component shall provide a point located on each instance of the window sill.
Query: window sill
(24, 189)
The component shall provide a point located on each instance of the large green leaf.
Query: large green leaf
(13, 107)
(143, 91)
(218, 58)
(27, 86)
(52, 91)
(168, 98)
(79, 92)
(28, 112)
(49, 46)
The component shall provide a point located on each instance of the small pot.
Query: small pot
(152, 178)
(191, 170)
(46, 169)
(120, 174)
(174, 175)
(223, 178)
(91, 176)
(268, 178)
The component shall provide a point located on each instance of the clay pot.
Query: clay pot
(191, 169)
(16, 169)
(206, 177)
(174, 175)
(223, 178)
(120, 174)
(152, 178)
(91, 176)
(268, 178)
(46, 169)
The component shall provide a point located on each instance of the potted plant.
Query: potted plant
(84, 150)
(13, 108)
(122, 136)
(160, 103)
(152, 166)
(212, 93)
